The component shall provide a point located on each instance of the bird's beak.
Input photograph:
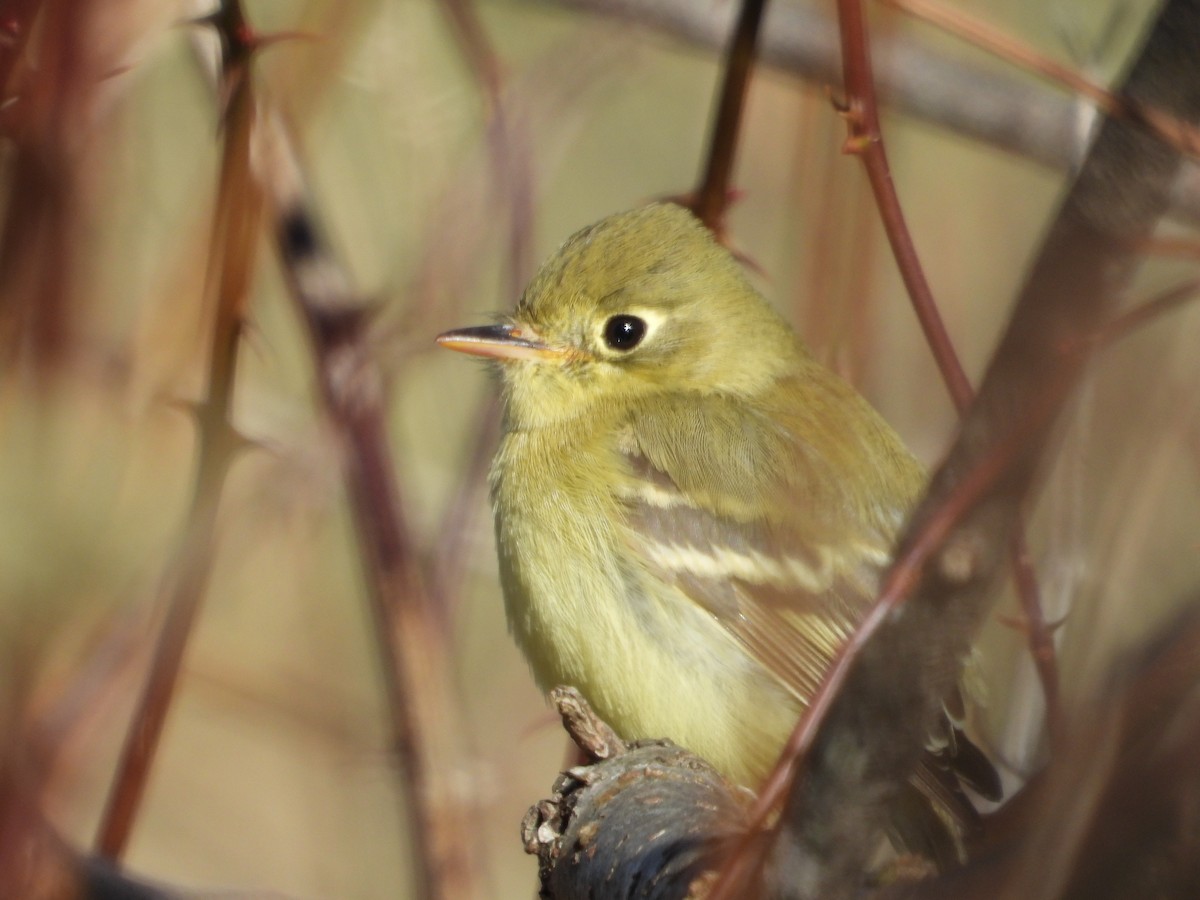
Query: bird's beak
(500, 342)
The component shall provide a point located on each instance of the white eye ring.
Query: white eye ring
(625, 331)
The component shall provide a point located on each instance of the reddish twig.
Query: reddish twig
(47, 182)
(1151, 309)
(1038, 633)
(232, 254)
(972, 507)
(711, 197)
(866, 141)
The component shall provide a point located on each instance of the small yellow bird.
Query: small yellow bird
(691, 512)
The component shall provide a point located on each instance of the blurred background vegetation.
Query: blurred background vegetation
(274, 771)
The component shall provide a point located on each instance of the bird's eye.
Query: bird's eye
(624, 332)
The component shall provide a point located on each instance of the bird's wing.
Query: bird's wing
(757, 522)
(769, 546)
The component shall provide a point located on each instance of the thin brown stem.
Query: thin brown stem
(48, 115)
(711, 198)
(1169, 300)
(231, 267)
(427, 731)
(866, 140)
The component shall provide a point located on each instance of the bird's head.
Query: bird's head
(641, 302)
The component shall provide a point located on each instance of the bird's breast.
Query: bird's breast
(586, 611)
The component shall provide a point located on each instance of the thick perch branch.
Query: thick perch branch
(647, 820)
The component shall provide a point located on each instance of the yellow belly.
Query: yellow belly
(586, 614)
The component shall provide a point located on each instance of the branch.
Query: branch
(231, 263)
(427, 731)
(711, 197)
(48, 79)
(644, 820)
(866, 140)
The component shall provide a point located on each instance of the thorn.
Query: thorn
(1020, 624)
(205, 21)
(280, 37)
(221, 437)
(185, 405)
(839, 103)
(857, 144)
(747, 260)
(10, 30)
(239, 39)
(116, 72)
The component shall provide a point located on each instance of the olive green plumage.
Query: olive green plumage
(691, 513)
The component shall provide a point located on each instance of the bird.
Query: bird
(692, 513)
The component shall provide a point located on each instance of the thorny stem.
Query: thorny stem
(427, 731)
(1086, 262)
(231, 267)
(45, 107)
(1038, 632)
(712, 195)
(866, 140)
